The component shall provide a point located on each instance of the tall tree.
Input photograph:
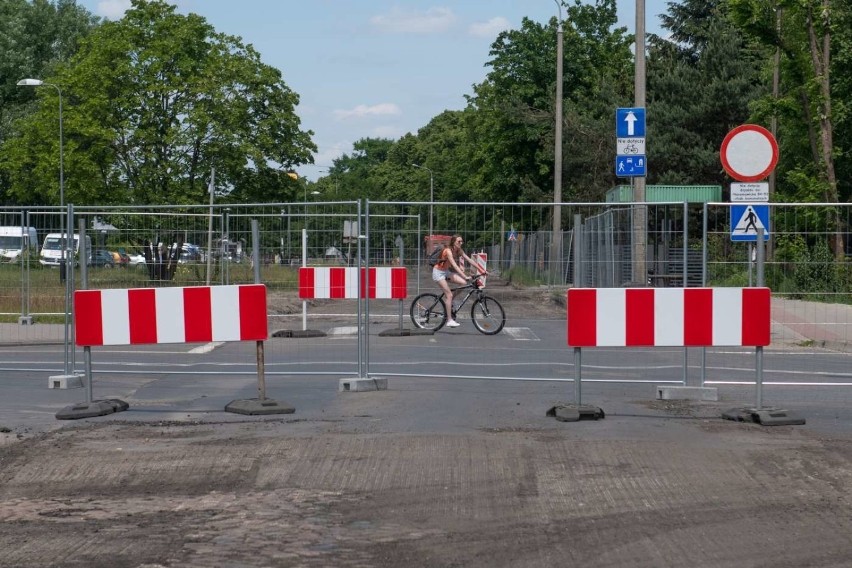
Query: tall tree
(154, 101)
(513, 122)
(807, 33)
(701, 80)
(35, 37)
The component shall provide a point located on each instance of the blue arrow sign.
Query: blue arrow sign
(746, 219)
(630, 122)
(630, 166)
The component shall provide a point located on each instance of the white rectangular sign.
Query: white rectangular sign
(757, 192)
(630, 146)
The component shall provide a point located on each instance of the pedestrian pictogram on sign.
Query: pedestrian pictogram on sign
(513, 234)
(747, 219)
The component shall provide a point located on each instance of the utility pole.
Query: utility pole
(640, 218)
(556, 245)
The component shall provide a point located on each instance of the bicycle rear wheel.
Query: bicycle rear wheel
(428, 312)
(487, 315)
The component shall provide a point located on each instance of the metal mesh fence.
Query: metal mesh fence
(807, 268)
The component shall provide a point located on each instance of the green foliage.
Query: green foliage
(153, 102)
(815, 273)
(700, 82)
(520, 276)
(35, 38)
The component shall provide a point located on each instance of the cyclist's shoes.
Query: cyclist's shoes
(453, 323)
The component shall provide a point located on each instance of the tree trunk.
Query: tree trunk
(820, 57)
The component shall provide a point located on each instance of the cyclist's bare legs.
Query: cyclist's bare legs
(448, 295)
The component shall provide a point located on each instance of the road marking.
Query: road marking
(206, 348)
(344, 330)
(521, 333)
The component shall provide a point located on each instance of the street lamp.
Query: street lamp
(39, 83)
(63, 239)
(431, 194)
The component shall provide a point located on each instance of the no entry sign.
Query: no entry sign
(749, 153)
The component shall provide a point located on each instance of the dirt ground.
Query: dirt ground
(676, 487)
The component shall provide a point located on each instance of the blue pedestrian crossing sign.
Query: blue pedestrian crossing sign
(630, 122)
(630, 166)
(746, 219)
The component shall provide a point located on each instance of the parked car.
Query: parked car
(120, 258)
(102, 258)
(136, 260)
(190, 253)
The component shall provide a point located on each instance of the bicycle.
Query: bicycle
(428, 310)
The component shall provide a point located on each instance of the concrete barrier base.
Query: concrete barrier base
(710, 394)
(92, 409)
(256, 406)
(396, 332)
(575, 412)
(65, 382)
(768, 416)
(361, 385)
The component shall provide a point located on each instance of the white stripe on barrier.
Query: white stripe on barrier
(115, 317)
(169, 303)
(225, 319)
(668, 316)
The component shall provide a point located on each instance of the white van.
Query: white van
(14, 241)
(51, 250)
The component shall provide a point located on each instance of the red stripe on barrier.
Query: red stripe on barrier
(399, 283)
(253, 324)
(306, 283)
(582, 318)
(197, 315)
(88, 318)
(756, 316)
(337, 282)
(372, 282)
(697, 316)
(639, 305)
(142, 305)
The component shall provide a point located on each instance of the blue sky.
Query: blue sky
(373, 68)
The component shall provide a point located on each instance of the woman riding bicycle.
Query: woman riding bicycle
(447, 268)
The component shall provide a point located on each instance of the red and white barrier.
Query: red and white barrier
(680, 317)
(342, 282)
(170, 315)
(480, 261)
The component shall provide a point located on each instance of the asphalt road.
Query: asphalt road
(442, 469)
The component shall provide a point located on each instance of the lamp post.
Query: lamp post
(39, 83)
(431, 193)
(63, 239)
(557, 155)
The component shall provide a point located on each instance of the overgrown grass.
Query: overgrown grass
(520, 276)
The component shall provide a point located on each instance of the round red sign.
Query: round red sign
(749, 153)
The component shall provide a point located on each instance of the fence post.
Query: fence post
(758, 351)
(578, 237)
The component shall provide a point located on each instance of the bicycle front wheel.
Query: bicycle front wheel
(428, 312)
(487, 315)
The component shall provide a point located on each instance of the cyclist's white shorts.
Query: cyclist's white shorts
(438, 274)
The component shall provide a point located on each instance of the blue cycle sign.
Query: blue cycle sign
(630, 142)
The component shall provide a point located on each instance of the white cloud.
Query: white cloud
(392, 132)
(360, 111)
(113, 9)
(433, 20)
(489, 29)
